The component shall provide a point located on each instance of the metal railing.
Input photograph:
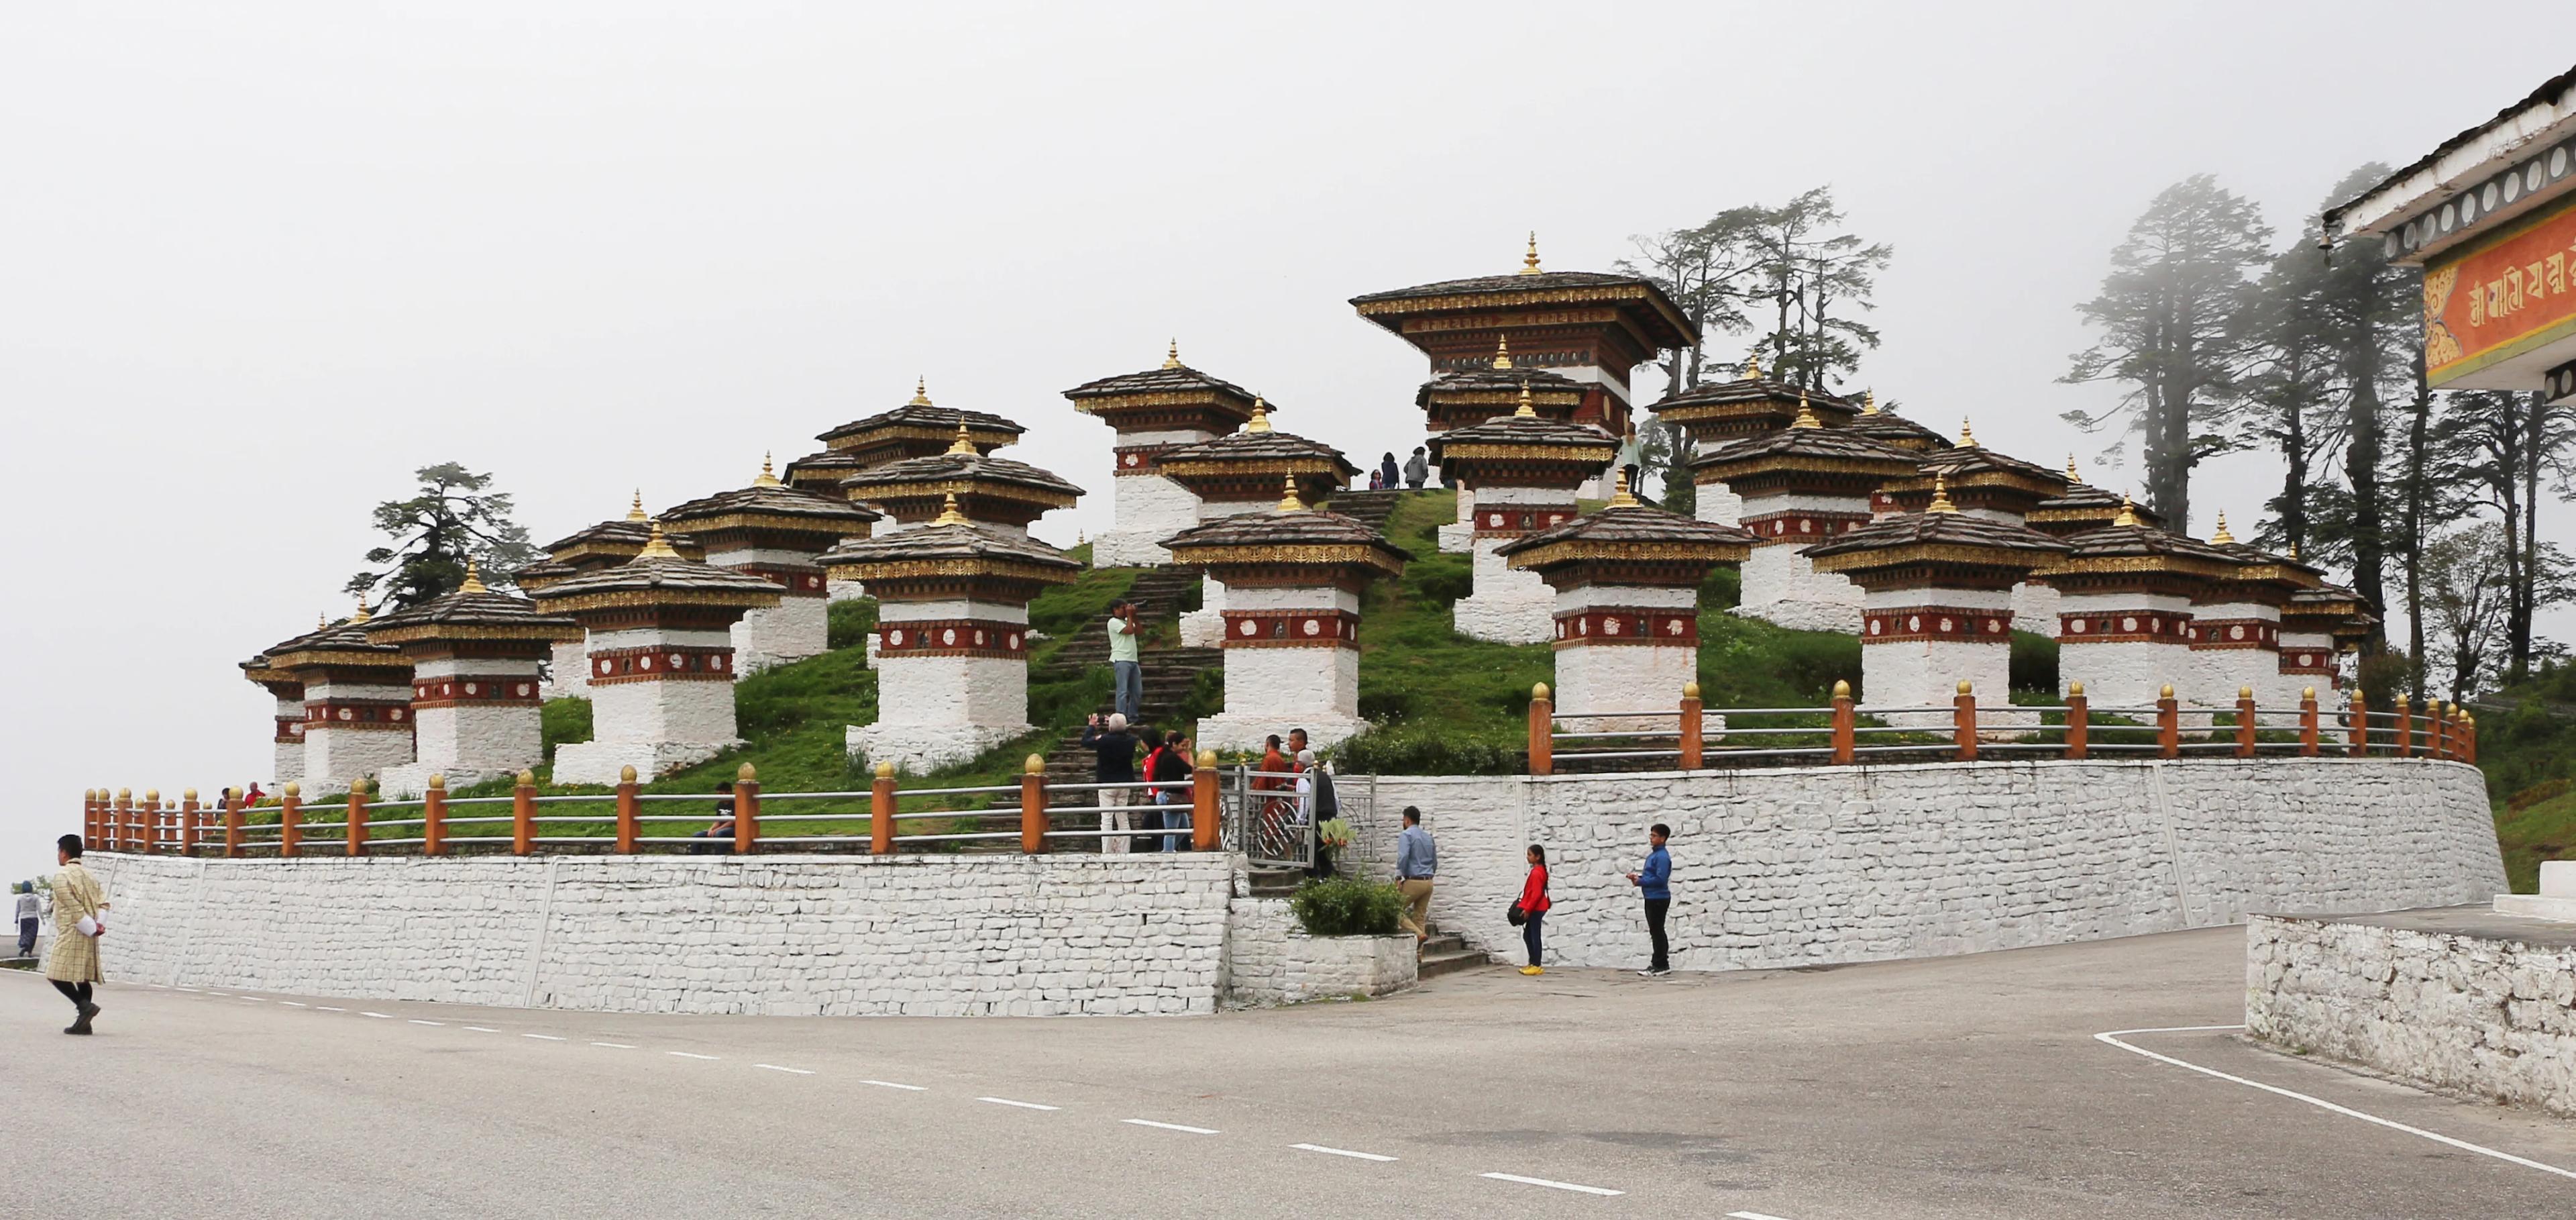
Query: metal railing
(1688, 737)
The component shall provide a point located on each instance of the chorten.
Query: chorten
(1590, 327)
(1476, 393)
(952, 635)
(1242, 472)
(1518, 473)
(1798, 486)
(2125, 593)
(474, 699)
(286, 737)
(1154, 412)
(918, 428)
(604, 545)
(2310, 625)
(1626, 607)
(2236, 622)
(1980, 481)
(1936, 605)
(1890, 428)
(357, 702)
(1718, 412)
(998, 492)
(774, 531)
(1293, 577)
(2082, 507)
(661, 660)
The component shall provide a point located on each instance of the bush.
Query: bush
(1440, 580)
(563, 722)
(2034, 663)
(1344, 906)
(851, 622)
(1430, 749)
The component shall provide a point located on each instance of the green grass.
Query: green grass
(2529, 757)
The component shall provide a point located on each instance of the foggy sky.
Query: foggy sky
(261, 261)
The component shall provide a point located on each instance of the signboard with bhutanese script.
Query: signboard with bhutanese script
(2502, 296)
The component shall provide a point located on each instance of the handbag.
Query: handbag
(1515, 915)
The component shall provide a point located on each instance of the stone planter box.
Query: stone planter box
(1270, 960)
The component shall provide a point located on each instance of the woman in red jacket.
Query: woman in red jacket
(1533, 906)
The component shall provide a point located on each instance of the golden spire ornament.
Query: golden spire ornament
(1526, 411)
(362, 615)
(657, 546)
(2128, 512)
(1172, 354)
(1806, 414)
(1941, 495)
(1967, 435)
(1869, 402)
(473, 579)
(962, 444)
(768, 477)
(2220, 535)
(321, 620)
(1260, 421)
(635, 511)
(1289, 503)
(1529, 261)
(1502, 351)
(948, 514)
(1622, 498)
(1752, 366)
(920, 392)
(2071, 475)
(2293, 555)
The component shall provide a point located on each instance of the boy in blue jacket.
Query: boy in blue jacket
(1655, 882)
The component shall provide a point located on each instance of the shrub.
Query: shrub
(1346, 906)
(1429, 749)
(2034, 662)
(563, 722)
(851, 622)
(1440, 579)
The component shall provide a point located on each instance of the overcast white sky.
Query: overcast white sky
(259, 261)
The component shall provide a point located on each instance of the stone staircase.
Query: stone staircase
(1447, 953)
(1171, 673)
(1372, 507)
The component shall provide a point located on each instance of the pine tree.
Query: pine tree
(454, 519)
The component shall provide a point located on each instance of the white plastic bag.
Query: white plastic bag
(90, 926)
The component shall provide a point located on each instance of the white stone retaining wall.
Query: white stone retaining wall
(1270, 960)
(2479, 1014)
(792, 630)
(1845, 864)
(1506, 605)
(568, 672)
(1000, 935)
(1146, 509)
(1782, 586)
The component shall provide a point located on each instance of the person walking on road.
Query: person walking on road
(1417, 469)
(79, 914)
(1123, 666)
(1115, 749)
(1531, 910)
(1417, 862)
(1655, 883)
(27, 911)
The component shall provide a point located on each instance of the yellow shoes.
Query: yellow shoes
(1532, 970)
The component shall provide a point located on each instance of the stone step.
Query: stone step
(1433, 965)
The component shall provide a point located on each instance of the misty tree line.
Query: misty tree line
(2221, 341)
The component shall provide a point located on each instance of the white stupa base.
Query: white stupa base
(286, 761)
(1508, 605)
(1927, 673)
(333, 757)
(2035, 608)
(1232, 731)
(924, 748)
(1456, 539)
(568, 672)
(408, 781)
(1205, 626)
(1131, 549)
(601, 762)
(791, 631)
(1716, 503)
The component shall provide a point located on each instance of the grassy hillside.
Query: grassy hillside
(2527, 747)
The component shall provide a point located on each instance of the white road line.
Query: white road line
(381, 1016)
(616, 1046)
(1147, 1122)
(888, 1084)
(252, 998)
(1025, 1105)
(327, 1008)
(482, 1030)
(542, 1037)
(418, 1021)
(687, 1055)
(1751, 1216)
(1573, 1186)
(775, 1068)
(1362, 1156)
(186, 989)
(291, 1004)
(2113, 1038)
(226, 994)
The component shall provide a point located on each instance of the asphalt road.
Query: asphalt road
(1963, 1087)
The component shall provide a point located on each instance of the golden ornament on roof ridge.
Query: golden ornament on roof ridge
(1806, 414)
(1502, 351)
(1526, 410)
(1941, 495)
(362, 615)
(768, 477)
(635, 511)
(1172, 354)
(473, 579)
(657, 546)
(1529, 261)
(2128, 512)
(1623, 498)
(962, 444)
(920, 392)
(1869, 402)
(1289, 503)
(1967, 435)
(1260, 421)
(2221, 536)
(948, 514)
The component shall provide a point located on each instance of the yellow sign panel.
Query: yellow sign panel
(2501, 296)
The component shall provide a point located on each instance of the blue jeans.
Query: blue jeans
(1173, 818)
(1529, 934)
(1131, 687)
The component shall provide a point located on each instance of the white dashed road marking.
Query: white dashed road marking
(775, 1068)
(1147, 1122)
(418, 1021)
(327, 1008)
(616, 1046)
(481, 1029)
(1573, 1186)
(542, 1037)
(381, 1016)
(1025, 1105)
(291, 1004)
(687, 1055)
(2113, 1038)
(1752, 1216)
(888, 1084)
(1361, 1156)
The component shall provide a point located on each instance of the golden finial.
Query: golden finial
(768, 476)
(2294, 551)
(1538, 690)
(1842, 689)
(885, 770)
(1941, 495)
(2308, 693)
(1172, 355)
(2074, 690)
(2072, 476)
(1622, 499)
(1967, 435)
(657, 546)
(362, 615)
(1526, 411)
(920, 392)
(962, 444)
(1260, 421)
(1869, 402)
(948, 514)
(1966, 687)
(1529, 261)
(1036, 764)
(635, 511)
(1690, 690)
(1753, 366)
(321, 619)
(1502, 351)
(2220, 535)
(1806, 414)
(2165, 692)
(473, 579)
(2128, 512)
(1289, 503)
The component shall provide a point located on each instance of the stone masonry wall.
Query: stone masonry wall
(1269, 960)
(1845, 864)
(914, 936)
(2476, 1013)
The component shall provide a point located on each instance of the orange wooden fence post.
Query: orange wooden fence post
(2308, 722)
(145, 823)
(290, 820)
(746, 810)
(523, 814)
(881, 811)
(1845, 720)
(188, 822)
(357, 827)
(2469, 738)
(2360, 729)
(2168, 724)
(2405, 728)
(1693, 742)
(1542, 731)
(89, 816)
(2079, 721)
(1033, 805)
(2440, 727)
(1205, 833)
(232, 823)
(626, 811)
(1964, 713)
(433, 817)
(2245, 722)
